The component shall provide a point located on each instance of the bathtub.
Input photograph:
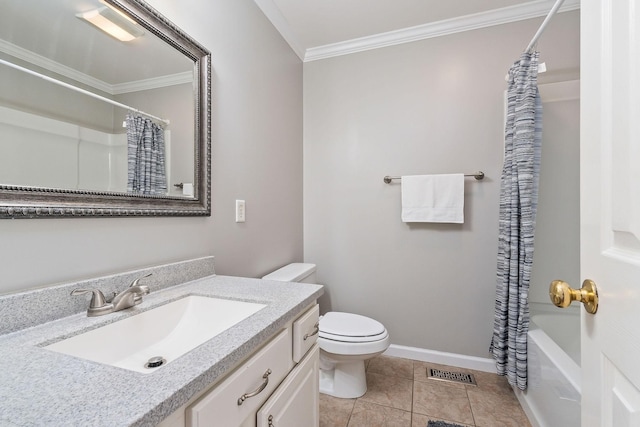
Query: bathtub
(552, 398)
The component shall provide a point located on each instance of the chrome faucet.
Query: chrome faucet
(99, 305)
(130, 296)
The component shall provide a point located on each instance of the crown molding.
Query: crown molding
(273, 14)
(460, 24)
(53, 66)
(153, 83)
(116, 89)
(440, 28)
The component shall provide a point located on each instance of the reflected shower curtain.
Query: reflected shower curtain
(518, 203)
(145, 157)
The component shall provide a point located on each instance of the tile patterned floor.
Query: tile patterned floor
(399, 394)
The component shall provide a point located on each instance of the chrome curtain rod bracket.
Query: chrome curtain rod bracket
(479, 176)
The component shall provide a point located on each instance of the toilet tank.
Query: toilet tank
(295, 272)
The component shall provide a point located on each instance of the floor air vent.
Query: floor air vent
(458, 377)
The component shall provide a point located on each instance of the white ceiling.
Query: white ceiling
(47, 33)
(319, 29)
(314, 29)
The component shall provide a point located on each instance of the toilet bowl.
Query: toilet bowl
(346, 340)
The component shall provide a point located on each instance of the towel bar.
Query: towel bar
(478, 175)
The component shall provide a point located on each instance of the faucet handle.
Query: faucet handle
(135, 282)
(141, 289)
(97, 297)
(98, 304)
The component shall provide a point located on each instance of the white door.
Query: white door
(610, 210)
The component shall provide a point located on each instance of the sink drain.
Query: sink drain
(155, 362)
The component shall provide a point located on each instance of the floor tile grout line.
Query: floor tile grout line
(473, 417)
(351, 413)
(385, 406)
(413, 372)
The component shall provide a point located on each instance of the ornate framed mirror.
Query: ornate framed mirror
(74, 98)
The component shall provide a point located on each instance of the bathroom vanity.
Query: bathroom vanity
(276, 386)
(262, 371)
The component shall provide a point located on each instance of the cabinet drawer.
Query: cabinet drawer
(296, 402)
(220, 407)
(305, 333)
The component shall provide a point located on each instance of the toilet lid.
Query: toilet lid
(336, 324)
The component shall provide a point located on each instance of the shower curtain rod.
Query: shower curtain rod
(86, 92)
(538, 33)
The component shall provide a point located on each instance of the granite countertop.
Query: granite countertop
(39, 387)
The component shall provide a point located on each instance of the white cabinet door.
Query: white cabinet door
(610, 211)
(237, 398)
(296, 402)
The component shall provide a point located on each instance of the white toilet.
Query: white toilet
(346, 340)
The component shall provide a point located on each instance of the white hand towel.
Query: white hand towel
(433, 198)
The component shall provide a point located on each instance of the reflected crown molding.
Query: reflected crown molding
(53, 66)
(111, 89)
(153, 83)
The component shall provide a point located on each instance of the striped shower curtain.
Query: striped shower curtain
(518, 203)
(145, 157)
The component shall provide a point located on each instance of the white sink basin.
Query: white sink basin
(168, 331)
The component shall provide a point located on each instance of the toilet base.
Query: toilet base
(345, 379)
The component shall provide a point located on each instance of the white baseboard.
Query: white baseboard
(442, 358)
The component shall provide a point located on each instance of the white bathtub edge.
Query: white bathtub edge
(560, 359)
(442, 358)
(532, 414)
(553, 376)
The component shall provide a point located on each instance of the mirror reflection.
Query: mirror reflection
(89, 108)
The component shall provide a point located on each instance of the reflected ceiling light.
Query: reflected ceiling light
(112, 23)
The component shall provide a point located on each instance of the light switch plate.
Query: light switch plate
(240, 211)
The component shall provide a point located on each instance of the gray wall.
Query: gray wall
(257, 156)
(433, 106)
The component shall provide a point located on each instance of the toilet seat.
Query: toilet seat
(346, 348)
(343, 338)
(351, 334)
(349, 327)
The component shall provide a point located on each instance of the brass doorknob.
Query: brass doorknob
(562, 295)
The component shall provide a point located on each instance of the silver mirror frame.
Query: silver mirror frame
(31, 202)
